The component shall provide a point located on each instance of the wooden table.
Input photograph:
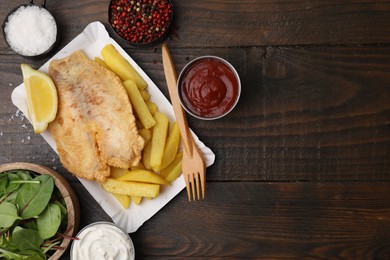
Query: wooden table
(302, 164)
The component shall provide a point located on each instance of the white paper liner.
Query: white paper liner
(91, 41)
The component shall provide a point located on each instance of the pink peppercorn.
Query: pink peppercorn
(140, 21)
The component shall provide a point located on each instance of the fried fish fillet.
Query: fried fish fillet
(94, 127)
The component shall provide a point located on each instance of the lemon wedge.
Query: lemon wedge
(42, 99)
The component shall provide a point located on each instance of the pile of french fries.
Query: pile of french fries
(161, 157)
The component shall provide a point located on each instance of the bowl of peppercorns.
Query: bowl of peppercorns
(141, 23)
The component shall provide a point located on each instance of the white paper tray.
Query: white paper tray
(91, 41)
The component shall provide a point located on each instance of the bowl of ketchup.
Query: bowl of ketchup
(209, 87)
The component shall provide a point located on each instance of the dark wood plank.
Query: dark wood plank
(243, 23)
(268, 220)
(246, 23)
(272, 220)
(311, 112)
(319, 113)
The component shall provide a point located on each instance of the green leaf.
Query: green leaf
(32, 198)
(31, 225)
(8, 214)
(49, 221)
(26, 239)
(24, 175)
(32, 255)
(7, 244)
(62, 207)
(6, 254)
(11, 197)
(12, 186)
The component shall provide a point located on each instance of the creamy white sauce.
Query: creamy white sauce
(102, 241)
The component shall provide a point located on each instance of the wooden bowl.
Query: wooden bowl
(69, 195)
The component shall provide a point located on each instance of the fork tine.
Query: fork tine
(197, 185)
(193, 186)
(188, 186)
(202, 183)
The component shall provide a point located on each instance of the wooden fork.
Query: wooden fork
(194, 169)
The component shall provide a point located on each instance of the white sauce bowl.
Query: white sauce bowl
(102, 240)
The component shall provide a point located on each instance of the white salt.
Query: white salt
(30, 30)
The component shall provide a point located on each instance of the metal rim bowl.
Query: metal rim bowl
(184, 71)
(50, 50)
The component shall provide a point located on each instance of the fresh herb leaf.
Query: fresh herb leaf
(10, 197)
(32, 255)
(12, 186)
(26, 239)
(7, 244)
(31, 224)
(8, 214)
(33, 198)
(24, 175)
(62, 207)
(7, 254)
(49, 221)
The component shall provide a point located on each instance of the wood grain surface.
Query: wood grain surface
(302, 166)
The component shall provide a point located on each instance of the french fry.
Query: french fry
(102, 63)
(124, 200)
(138, 124)
(117, 172)
(159, 137)
(143, 176)
(171, 147)
(152, 107)
(146, 155)
(139, 104)
(121, 66)
(136, 199)
(173, 170)
(140, 166)
(131, 188)
(145, 95)
(146, 134)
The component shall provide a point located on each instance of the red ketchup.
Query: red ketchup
(208, 88)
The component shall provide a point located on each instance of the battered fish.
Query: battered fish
(95, 126)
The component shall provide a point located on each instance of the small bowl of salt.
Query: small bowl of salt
(31, 31)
